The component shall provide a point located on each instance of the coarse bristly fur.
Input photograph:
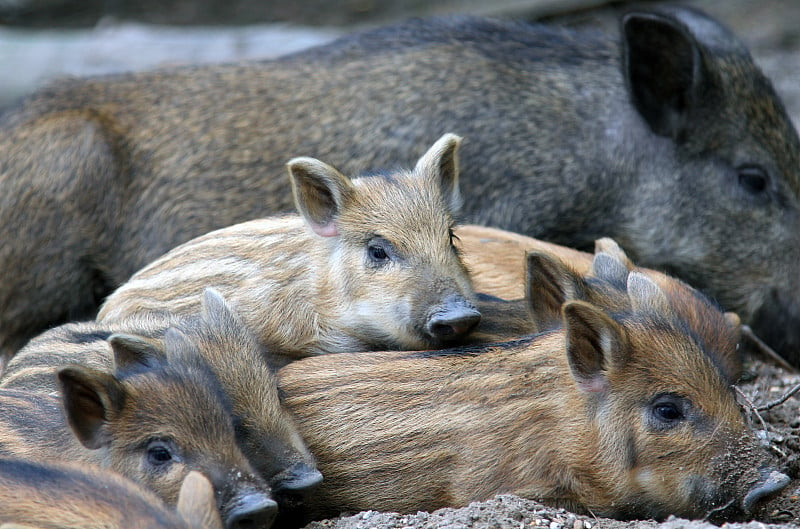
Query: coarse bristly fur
(622, 411)
(264, 429)
(154, 417)
(39, 495)
(571, 135)
(506, 263)
(367, 263)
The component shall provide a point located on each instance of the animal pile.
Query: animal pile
(266, 368)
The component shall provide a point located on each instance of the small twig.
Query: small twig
(752, 407)
(716, 510)
(765, 350)
(777, 451)
(777, 402)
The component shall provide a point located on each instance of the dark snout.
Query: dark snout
(771, 482)
(253, 510)
(454, 318)
(291, 488)
(297, 479)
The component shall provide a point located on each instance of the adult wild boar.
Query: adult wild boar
(665, 136)
(621, 413)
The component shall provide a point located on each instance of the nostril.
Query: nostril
(252, 512)
(441, 330)
(246, 523)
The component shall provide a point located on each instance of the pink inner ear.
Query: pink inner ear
(595, 384)
(325, 230)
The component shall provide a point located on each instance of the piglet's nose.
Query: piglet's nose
(772, 482)
(252, 511)
(455, 319)
(297, 478)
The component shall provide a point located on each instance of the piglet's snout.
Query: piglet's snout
(452, 319)
(771, 482)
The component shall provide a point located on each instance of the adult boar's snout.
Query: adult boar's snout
(454, 318)
(772, 481)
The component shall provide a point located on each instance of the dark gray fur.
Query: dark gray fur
(657, 136)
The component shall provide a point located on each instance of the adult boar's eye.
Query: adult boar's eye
(753, 178)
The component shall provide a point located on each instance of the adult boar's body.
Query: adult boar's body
(667, 138)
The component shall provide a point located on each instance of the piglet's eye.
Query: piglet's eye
(667, 411)
(379, 251)
(159, 453)
(376, 253)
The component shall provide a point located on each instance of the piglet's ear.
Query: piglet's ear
(595, 345)
(549, 283)
(646, 296)
(91, 399)
(609, 246)
(196, 502)
(133, 351)
(320, 193)
(441, 164)
(217, 313)
(607, 267)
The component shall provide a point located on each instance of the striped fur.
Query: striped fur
(79, 496)
(265, 431)
(311, 284)
(157, 417)
(509, 265)
(620, 412)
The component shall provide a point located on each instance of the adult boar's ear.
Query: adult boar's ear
(595, 345)
(664, 71)
(549, 283)
(441, 163)
(91, 399)
(320, 193)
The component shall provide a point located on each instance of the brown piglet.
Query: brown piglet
(154, 419)
(40, 495)
(620, 411)
(368, 263)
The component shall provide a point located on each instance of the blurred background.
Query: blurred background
(44, 39)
